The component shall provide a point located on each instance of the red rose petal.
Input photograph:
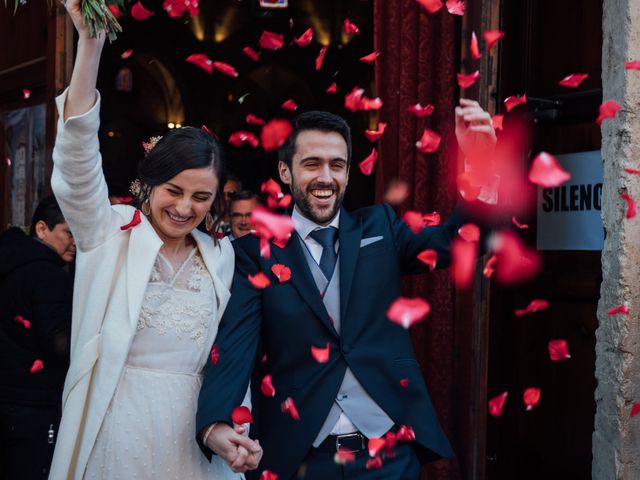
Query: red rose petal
(320, 58)
(114, 10)
(126, 54)
(465, 80)
(397, 192)
(241, 415)
(350, 28)
(531, 397)
(37, 366)
(489, 267)
(373, 135)
(497, 120)
(367, 104)
(282, 272)
(353, 99)
(407, 311)
(464, 255)
(321, 354)
(431, 6)
(469, 232)
(251, 119)
(429, 142)
(496, 404)
(635, 409)
(271, 225)
(431, 219)
(621, 309)
(274, 133)
(521, 226)
(455, 7)
(573, 80)
(285, 201)
(405, 434)
(492, 37)
(375, 445)
(202, 61)
(414, 220)
(215, 354)
(289, 406)
(259, 280)
(265, 248)
(534, 306)
(633, 171)
(26, 93)
(225, 68)
(558, 350)
(241, 137)
(404, 382)
(429, 258)
(289, 105)
(512, 102)
(632, 65)
(468, 187)
(374, 463)
(631, 205)
(268, 475)
(547, 172)
(304, 39)
(138, 12)
(608, 109)
(25, 323)
(420, 111)
(271, 40)
(271, 188)
(473, 47)
(371, 57)
(366, 165)
(344, 456)
(266, 386)
(333, 88)
(516, 263)
(251, 53)
(134, 221)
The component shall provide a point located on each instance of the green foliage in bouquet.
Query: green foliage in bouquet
(95, 14)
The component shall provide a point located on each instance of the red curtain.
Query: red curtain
(418, 63)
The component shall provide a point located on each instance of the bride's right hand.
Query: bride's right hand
(75, 12)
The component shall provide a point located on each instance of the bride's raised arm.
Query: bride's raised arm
(77, 179)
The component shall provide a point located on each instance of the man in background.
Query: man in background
(36, 292)
(241, 205)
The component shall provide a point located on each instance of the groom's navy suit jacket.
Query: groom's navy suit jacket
(286, 319)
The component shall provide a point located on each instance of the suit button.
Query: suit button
(346, 349)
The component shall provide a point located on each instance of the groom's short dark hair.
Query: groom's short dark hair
(315, 120)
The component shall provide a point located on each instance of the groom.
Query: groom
(345, 273)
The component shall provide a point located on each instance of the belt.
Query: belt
(354, 442)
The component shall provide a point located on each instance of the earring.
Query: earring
(208, 221)
(145, 207)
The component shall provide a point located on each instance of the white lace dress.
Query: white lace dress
(149, 429)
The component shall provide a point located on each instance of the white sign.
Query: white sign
(569, 215)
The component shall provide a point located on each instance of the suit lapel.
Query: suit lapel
(349, 234)
(301, 278)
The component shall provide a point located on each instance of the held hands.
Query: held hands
(239, 451)
(474, 129)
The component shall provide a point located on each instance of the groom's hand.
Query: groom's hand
(227, 443)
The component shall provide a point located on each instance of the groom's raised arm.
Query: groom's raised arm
(225, 380)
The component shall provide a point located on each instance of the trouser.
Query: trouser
(26, 445)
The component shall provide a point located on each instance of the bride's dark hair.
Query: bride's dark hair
(183, 149)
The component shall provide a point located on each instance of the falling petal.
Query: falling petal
(266, 386)
(282, 272)
(304, 39)
(491, 37)
(241, 137)
(321, 354)
(373, 135)
(397, 192)
(621, 309)
(268, 475)
(414, 220)
(370, 58)
(138, 12)
(463, 256)
(126, 54)
(404, 382)
(407, 311)
(420, 111)
(521, 226)
(469, 232)
(375, 445)
(320, 58)
(547, 172)
(633, 171)
(251, 53)
(374, 463)
(215, 354)
(25, 323)
(405, 434)
(271, 40)
(251, 119)
(455, 7)
(225, 68)
(265, 248)
(429, 142)
(289, 105)
(259, 280)
(531, 397)
(635, 409)
(632, 65)
(350, 28)
(344, 456)
(114, 10)
(431, 6)
(473, 48)
(573, 80)
(134, 221)
(289, 406)
(275, 133)
(366, 165)
(468, 187)
(489, 267)
(271, 188)
(534, 306)
(465, 80)
(271, 225)
(353, 99)
(333, 88)
(202, 61)
(431, 219)
(429, 258)
(497, 120)
(512, 102)
(241, 415)
(608, 109)
(285, 201)
(26, 93)
(36, 366)
(558, 350)
(496, 404)
(516, 263)
(631, 205)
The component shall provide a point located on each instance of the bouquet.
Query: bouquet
(96, 14)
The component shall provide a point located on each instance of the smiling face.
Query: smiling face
(240, 216)
(318, 175)
(59, 238)
(180, 204)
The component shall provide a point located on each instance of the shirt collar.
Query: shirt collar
(304, 226)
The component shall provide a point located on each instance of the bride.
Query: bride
(150, 290)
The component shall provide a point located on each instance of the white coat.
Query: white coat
(112, 271)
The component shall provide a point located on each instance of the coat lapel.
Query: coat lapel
(349, 234)
(301, 278)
